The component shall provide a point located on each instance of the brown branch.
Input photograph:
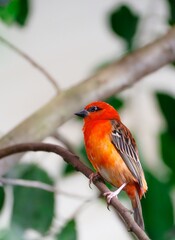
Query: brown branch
(72, 159)
(112, 79)
(31, 61)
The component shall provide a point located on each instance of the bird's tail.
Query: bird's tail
(138, 217)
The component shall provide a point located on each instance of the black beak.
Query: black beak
(83, 113)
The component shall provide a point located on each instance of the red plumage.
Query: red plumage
(112, 151)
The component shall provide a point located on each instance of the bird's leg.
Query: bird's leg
(110, 195)
(94, 177)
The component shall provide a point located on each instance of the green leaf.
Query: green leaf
(68, 169)
(2, 197)
(124, 23)
(167, 143)
(157, 208)
(171, 5)
(15, 11)
(115, 102)
(171, 16)
(21, 18)
(33, 208)
(167, 104)
(69, 231)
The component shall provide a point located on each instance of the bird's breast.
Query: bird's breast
(103, 155)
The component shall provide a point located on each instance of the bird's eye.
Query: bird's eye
(94, 109)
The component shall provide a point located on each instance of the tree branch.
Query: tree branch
(38, 185)
(72, 159)
(31, 61)
(112, 79)
(27, 183)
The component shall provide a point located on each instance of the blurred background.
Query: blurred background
(71, 40)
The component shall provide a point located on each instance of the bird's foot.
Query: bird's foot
(110, 195)
(94, 177)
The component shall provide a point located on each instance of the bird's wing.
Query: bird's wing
(126, 146)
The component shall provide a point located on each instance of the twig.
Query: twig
(27, 183)
(31, 61)
(79, 166)
(114, 78)
(38, 185)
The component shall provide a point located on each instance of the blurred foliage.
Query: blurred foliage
(167, 143)
(171, 5)
(171, 16)
(124, 23)
(68, 169)
(157, 208)
(167, 137)
(68, 232)
(14, 11)
(38, 205)
(2, 197)
(164, 225)
(116, 102)
(167, 104)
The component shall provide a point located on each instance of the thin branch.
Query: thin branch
(31, 61)
(27, 183)
(38, 185)
(72, 159)
(114, 78)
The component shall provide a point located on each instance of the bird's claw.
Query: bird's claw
(109, 195)
(94, 177)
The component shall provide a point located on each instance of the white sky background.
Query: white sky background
(70, 39)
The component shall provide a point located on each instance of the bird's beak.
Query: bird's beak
(83, 113)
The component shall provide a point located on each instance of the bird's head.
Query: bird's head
(98, 111)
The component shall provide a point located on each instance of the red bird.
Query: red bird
(112, 151)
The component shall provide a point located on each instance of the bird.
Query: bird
(112, 150)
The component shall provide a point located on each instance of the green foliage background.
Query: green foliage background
(35, 208)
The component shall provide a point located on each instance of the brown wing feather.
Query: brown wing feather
(125, 144)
